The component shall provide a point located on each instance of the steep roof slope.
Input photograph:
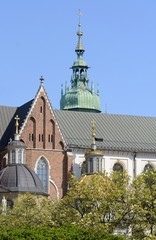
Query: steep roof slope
(6, 115)
(7, 122)
(119, 132)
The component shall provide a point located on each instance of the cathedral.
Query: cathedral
(40, 146)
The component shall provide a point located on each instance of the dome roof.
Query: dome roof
(81, 99)
(80, 62)
(20, 178)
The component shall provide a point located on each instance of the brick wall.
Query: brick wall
(43, 139)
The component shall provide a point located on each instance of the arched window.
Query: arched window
(42, 172)
(147, 167)
(32, 132)
(117, 167)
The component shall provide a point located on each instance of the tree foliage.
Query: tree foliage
(96, 203)
(64, 233)
(144, 205)
(29, 210)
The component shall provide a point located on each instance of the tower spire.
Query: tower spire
(79, 48)
(80, 97)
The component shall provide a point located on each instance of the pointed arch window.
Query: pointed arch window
(42, 172)
(32, 133)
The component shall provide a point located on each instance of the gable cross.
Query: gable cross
(17, 123)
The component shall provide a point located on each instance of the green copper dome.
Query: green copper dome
(80, 97)
(80, 100)
(80, 62)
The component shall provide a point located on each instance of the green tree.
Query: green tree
(64, 233)
(96, 201)
(29, 210)
(144, 206)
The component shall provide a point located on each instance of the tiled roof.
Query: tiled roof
(6, 115)
(119, 132)
(7, 122)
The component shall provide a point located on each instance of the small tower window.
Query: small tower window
(148, 167)
(31, 137)
(118, 167)
(97, 164)
(91, 165)
(50, 138)
(41, 109)
(13, 156)
(19, 155)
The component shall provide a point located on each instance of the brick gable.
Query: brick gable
(43, 138)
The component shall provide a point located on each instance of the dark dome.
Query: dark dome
(20, 178)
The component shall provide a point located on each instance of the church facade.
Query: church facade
(78, 138)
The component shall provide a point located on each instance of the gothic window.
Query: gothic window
(32, 133)
(42, 172)
(51, 136)
(147, 167)
(43, 104)
(117, 167)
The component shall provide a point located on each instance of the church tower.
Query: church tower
(80, 97)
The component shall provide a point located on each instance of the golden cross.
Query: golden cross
(17, 123)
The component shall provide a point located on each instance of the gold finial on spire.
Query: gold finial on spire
(17, 123)
(79, 33)
(93, 132)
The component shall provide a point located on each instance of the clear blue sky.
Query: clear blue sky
(39, 38)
